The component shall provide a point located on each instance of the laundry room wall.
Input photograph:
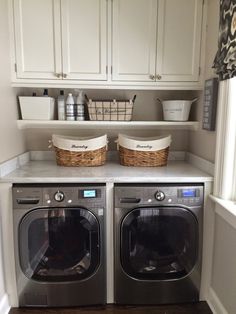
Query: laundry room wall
(11, 140)
(222, 291)
(202, 142)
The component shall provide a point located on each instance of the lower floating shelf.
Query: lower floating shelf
(57, 124)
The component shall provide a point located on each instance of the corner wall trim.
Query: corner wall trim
(215, 304)
(4, 305)
(200, 163)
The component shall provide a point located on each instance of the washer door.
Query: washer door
(159, 243)
(59, 244)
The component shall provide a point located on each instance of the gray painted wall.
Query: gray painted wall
(11, 140)
(202, 142)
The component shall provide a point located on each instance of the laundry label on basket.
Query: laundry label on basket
(144, 144)
(77, 144)
(148, 147)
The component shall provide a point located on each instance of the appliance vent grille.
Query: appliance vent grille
(35, 299)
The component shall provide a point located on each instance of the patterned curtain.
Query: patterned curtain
(225, 60)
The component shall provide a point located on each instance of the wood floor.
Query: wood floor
(197, 308)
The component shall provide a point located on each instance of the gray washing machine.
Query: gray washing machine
(59, 244)
(158, 243)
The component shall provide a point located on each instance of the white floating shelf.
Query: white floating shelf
(56, 124)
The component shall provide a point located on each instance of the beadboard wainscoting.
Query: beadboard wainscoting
(222, 256)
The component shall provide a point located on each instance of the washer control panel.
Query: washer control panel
(52, 195)
(161, 194)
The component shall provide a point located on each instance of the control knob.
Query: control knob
(59, 196)
(160, 196)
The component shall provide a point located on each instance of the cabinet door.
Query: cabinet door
(37, 38)
(84, 39)
(178, 40)
(134, 40)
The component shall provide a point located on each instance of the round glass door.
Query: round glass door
(159, 243)
(59, 244)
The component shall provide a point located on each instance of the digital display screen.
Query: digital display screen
(89, 193)
(188, 193)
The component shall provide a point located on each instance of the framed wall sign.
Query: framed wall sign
(210, 103)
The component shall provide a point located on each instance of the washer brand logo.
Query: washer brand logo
(79, 146)
(144, 146)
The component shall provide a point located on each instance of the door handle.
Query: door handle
(27, 201)
(131, 200)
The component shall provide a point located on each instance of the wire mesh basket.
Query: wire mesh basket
(111, 110)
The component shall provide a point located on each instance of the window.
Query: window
(225, 168)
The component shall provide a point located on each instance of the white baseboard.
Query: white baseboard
(4, 305)
(215, 304)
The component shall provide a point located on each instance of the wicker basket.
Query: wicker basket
(111, 110)
(140, 152)
(75, 152)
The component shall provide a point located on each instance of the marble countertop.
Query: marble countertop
(112, 171)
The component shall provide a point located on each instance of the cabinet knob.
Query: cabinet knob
(64, 75)
(152, 77)
(58, 75)
(158, 77)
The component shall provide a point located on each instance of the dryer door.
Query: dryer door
(159, 243)
(59, 244)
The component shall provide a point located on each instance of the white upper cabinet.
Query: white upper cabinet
(178, 40)
(129, 43)
(84, 44)
(156, 40)
(37, 38)
(61, 39)
(134, 39)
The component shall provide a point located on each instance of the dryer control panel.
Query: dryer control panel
(159, 194)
